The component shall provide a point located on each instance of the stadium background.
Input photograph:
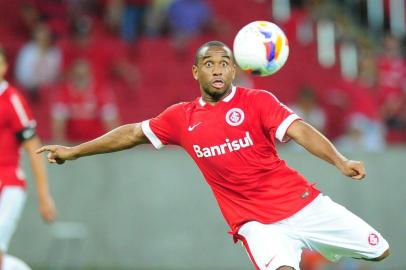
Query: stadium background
(135, 210)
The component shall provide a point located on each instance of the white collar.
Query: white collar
(3, 86)
(226, 99)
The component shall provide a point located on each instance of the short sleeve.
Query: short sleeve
(20, 115)
(275, 116)
(164, 129)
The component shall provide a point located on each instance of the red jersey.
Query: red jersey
(233, 144)
(392, 72)
(16, 123)
(85, 111)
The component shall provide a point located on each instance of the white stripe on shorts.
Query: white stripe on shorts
(12, 201)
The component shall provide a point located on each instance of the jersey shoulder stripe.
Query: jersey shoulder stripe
(19, 109)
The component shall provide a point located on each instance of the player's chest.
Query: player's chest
(207, 127)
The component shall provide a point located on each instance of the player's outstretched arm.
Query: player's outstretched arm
(121, 138)
(317, 144)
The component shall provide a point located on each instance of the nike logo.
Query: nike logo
(190, 128)
(267, 264)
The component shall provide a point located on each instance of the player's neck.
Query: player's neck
(213, 100)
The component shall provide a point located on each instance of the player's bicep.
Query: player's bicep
(303, 133)
(139, 135)
(297, 130)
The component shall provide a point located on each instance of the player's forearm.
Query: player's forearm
(38, 167)
(317, 144)
(121, 138)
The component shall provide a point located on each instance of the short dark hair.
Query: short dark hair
(213, 43)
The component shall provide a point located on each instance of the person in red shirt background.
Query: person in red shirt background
(392, 93)
(17, 130)
(84, 108)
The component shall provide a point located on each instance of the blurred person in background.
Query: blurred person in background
(28, 17)
(156, 18)
(112, 14)
(132, 21)
(188, 19)
(308, 109)
(17, 130)
(364, 128)
(391, 63)
(243, 78)
(361, 134)
(107, 55)
(126, 17)
(39, 62)
(52, 12)
(84, 107)
(230, 134)
(392, 89)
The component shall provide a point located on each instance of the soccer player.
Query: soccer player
(230, 133)
(17, 129)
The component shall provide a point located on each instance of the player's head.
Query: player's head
(3, 63)
(214, 69)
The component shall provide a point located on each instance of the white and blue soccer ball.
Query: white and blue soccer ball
(261, 48)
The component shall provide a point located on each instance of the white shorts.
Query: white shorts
(12, 201)
(323, 226)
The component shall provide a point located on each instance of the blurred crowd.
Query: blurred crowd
(81, 61)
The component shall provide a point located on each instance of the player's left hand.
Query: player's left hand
(352, 168)
(47, 208)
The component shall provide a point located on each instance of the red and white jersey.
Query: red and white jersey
(233, 144)
(85, 111)
(15, 120)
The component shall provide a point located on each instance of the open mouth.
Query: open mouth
(217, 83)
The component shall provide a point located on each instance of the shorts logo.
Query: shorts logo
(235, 117)
(373, 239)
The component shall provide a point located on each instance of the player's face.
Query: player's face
(3, 67)
(215, 72)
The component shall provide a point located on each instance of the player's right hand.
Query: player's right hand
(57, 153)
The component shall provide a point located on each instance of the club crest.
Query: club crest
(235, 117)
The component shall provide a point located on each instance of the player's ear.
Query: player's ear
(195, 72)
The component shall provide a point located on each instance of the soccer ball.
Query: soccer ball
(261, 48)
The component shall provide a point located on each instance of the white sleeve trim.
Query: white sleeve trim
(283, 127)
(19, 108)
(156, 142)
